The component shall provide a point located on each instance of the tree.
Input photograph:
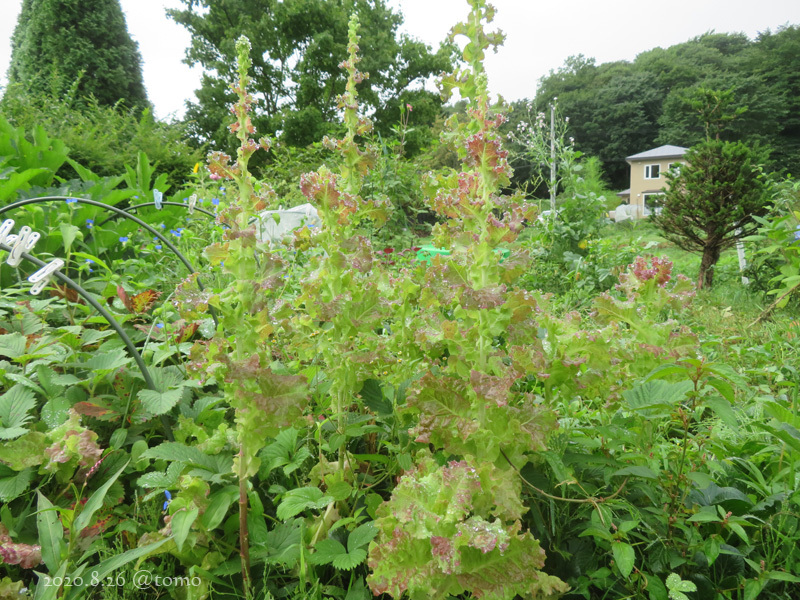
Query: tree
(711, 202)
(297, 45)
(82, 44)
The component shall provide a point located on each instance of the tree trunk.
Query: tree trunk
(706, 276)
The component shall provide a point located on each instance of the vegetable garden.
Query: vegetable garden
(188, 411)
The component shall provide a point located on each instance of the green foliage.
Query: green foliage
(620, 108)
(453, 529)
(100, 138)
(297, 50)
(713, 200)
(57, 43)
(358, 422)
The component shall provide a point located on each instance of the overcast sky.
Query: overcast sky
(540, 35)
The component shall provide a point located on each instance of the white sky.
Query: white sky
(540, 35)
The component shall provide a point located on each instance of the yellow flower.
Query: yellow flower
(196, 168)
(583, 244)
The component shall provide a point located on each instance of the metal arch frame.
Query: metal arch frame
(114, 209)
(122, 213)
(134, 352)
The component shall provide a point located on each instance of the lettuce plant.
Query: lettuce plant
(456, 527)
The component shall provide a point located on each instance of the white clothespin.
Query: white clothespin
(158, 196)
(23, 242)
(192, 203)
(5, 229)
(42, 277)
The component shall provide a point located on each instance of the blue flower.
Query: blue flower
(163, 226)
(123, 239)
(168, 500)
(72, 201)
(215, 201)
(160, 325)
(158, 246)
(797, 233)
(89, 223)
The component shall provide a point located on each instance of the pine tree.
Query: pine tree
(58, 44)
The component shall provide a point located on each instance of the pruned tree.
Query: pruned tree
(64, 44)
(711, 202)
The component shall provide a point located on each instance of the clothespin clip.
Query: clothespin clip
(23, 242)
(42, 277)
(192, 203)
(158, 196)
(5, 229)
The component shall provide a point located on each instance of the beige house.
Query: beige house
(648, 177)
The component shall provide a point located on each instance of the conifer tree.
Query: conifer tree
(85, 43)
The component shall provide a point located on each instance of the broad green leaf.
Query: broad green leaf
(340, 490)
(95, 502)
(636, 471)
(13, 484)
(326, 551)
(296, 501)
(159, 403)
(26, 451)
(12, 345)
(68, 234)
(105, 362)
(361, 536)
(175, 451)
(218, 507)
(51, 533)
(783, 576)
(351, 560)
(181, 523)
(656, 397)
(624, 557)
(55, 412)
(752, 589)
(724, 388)
(723, 410)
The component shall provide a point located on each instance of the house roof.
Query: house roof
(624, 192)
(660, 152)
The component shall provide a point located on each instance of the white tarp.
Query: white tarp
(625, 212)
(271, 229)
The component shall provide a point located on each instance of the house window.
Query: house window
(652, 171)
(675, 168)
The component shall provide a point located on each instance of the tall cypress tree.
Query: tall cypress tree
(57, 43)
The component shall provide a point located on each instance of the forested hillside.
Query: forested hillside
(620, 108)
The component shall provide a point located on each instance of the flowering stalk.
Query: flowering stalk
(348, 291)
(479, 336)
(240, 354)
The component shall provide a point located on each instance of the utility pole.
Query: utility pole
(553, 160)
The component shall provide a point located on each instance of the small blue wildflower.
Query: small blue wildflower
(136, 197)
(71, 200)
(89, 223)
(123, 239)
(160, 325)
(163, 226)
(90, 261)
(797, 233)
(215, 201)
(185, 200)
(168, 500)
(158, 246)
